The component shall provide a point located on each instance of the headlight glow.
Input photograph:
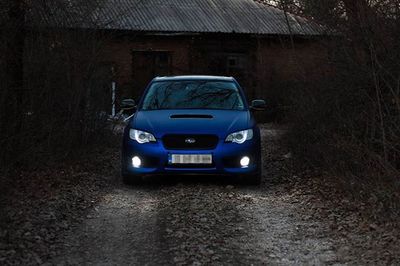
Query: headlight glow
(240, 136)
(136, 162)
(141, 136)
(245, 161)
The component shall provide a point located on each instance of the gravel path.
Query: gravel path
(80, 213)
(200, 221)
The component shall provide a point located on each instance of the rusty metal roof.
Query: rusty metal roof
(186, 16)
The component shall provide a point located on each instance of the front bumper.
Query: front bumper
(226, 159)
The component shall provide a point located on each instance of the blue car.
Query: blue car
(192, 125)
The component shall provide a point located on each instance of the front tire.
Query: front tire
(128, 179)
(254, 179)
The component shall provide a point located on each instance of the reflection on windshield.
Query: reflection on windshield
(193, 95)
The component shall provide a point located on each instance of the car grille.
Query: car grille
(185, 142)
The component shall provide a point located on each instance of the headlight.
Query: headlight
(240, 137)
(141, 136)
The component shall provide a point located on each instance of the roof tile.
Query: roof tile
(184, 16)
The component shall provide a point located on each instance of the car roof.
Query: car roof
(194, 77)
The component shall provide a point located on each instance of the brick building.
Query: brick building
(258, 44)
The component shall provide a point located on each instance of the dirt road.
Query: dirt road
(199, 221)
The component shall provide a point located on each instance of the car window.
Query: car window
(193, 95)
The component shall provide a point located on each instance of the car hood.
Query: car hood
(218, 122)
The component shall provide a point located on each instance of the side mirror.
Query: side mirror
(258, 105)
(128, 104)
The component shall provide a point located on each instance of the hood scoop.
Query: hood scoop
(191, 116)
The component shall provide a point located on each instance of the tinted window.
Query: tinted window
(193, 95)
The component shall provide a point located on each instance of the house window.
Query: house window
(232, 62)
(236, 62)
(152, 63)
(162, 60)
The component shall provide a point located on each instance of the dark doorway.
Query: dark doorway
(146, 65)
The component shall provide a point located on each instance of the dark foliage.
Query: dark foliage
(53, 89)
(348, 123)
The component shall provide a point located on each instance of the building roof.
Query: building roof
(180, 16)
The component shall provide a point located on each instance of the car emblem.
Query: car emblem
(190, 141)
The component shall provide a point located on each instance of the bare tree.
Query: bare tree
(54, 86)
(349, 122)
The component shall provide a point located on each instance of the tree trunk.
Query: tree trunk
(15, 44)
(15, 34)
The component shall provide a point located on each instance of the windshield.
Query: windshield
(193, 95)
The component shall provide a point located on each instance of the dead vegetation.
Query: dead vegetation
(54, 89)
(348, 123)
(38, 207)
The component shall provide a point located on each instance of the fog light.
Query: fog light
(245, 161)
(136, 162)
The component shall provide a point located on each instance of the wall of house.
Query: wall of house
(131, 74)
(282, 63)
(261, 65)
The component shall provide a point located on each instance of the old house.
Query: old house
(260, 45)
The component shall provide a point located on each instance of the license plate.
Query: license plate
(191, 159)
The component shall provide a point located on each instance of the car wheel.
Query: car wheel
(131, 179)
(254, 179)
